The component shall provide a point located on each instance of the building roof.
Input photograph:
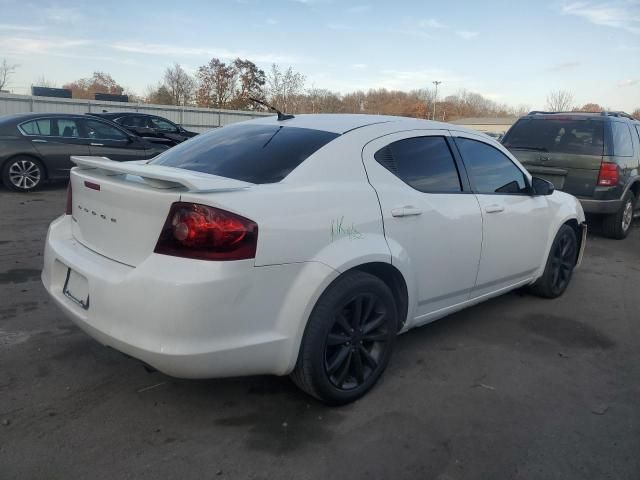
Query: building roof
(485, 121)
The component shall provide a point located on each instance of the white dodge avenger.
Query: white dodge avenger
(302, 245)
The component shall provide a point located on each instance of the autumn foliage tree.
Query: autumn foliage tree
(99, 82)
(216, 84)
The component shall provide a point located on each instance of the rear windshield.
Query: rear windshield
(580, 137)
(252, 153)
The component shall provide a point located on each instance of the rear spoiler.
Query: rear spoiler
(160, 176)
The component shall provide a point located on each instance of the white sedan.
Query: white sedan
(302, 246)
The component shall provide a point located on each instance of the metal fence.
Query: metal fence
(192, 118)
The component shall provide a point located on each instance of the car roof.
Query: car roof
(581, 115)
(22, 117)
(344, 122)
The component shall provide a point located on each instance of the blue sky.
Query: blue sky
(511, 51)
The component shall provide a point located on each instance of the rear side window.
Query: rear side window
(558, 135)
(622, 143)
(491, 170)
(424, 163)
(133, 121)
(252, 153)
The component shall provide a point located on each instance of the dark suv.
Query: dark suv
(594, 156)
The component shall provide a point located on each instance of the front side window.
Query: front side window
(622, 143)
(102, 131)
(66, 128)
(424, 163)
(249, 152)
(163, 125)
(491, 170)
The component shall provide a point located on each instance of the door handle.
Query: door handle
(407, 211)
(97, 144)
(38, 140)
(494, 208)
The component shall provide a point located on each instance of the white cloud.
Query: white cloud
(629, 82)
(410, 79)
(272, 21)
(179, 51)
(466, 34)
(19, 28)
(431, 23)
(359, 9)
(621, 14)
(61, 14)
(26, 45)
(359, 66)
(563, 66)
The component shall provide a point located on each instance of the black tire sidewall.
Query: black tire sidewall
(320, 323)
(7, 181)
(548, 274)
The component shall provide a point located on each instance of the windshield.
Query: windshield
(249, 152)
(580, 137)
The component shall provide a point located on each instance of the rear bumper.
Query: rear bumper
(600, 206)
(188, 318)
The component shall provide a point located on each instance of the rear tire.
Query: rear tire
(348, 340)
(618, 225)
(560, 264)
(23, 174)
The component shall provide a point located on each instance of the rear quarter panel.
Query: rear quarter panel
(324, 211)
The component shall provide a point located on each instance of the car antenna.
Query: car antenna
(281, 116)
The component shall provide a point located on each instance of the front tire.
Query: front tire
(560, 264)
(348, 340)
(618, 225)
(23, 174)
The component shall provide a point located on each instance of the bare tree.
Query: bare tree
(559, 101)
(636, 114)
(179, 84)
(6, 70)
(285, 88)
(42, 81)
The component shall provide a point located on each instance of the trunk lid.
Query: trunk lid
(119, 208)
(572, 173)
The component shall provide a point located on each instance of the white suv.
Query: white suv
(302, 246)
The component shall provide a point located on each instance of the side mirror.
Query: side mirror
(541, 186)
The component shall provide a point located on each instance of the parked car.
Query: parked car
(150, 126)
(302, 246)
(36, 147)
(594, 156)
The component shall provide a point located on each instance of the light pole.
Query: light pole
(435, 97)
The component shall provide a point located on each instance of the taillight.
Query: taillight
(608, 175)
(69, 208)
(207, 233)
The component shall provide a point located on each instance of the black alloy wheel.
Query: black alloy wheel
(348, 339)
(560, 264)
(356, 342)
